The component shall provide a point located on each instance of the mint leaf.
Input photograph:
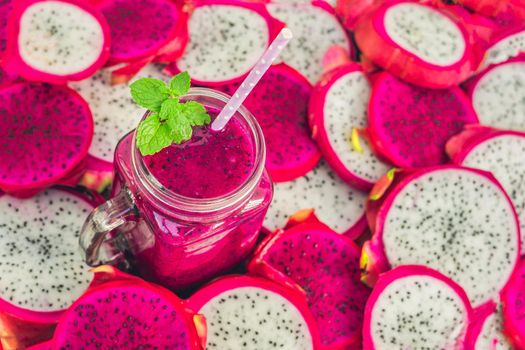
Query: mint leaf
(180, 127)
(149, 93)
(153, 135)
(169, 108)
(171, 120)
(180, 84)
(196, 113)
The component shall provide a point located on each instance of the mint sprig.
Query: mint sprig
(170, 121)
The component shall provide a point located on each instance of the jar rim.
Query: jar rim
(235, 198)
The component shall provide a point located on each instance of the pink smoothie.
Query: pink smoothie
(180, 253)
(211, 164)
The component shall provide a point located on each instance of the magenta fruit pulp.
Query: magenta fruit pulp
(211, 164)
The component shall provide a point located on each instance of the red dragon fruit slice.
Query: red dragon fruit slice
(6, 6)
(505, 45)
(486, 330)
(6, 77)
(325, 265)
(513, 303)
(41, 270)
(133, 37)
(226, 38)
(338, 114)
(401, 37)
(414, 307)
(449, 218)
(45, 133)
(335, 203)
(496, 152)
(414, 133)
(498, 93)
(280, 104)
(305, 52)
(125, 312)
(56, 41)
(252, 313)
(353, 11)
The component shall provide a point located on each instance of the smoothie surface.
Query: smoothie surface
(211, 164)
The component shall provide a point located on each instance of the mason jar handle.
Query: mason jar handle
(98, 245)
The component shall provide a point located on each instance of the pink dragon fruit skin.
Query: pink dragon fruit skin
(228, 289)
(496, 94)
(29, 325)
(380, 48)
(179, 328)
(506, 43)
(290, 256)
(417, 276)
(13, 57)
(414, 134)
(353, 11)
(481, 328)
(512, 301)
(44, 161)
(230, 73)
(374, 259)
(353, 174)
(505, 11)
(280, 102)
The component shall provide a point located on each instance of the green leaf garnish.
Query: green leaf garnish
(196, 113)
(149, 93)
(180, 84)
(171, 121)
(153, 135)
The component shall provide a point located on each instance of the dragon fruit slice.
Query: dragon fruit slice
(325, 265)
(45, 133)
(226, 38)
(335, 203)
(401, 37)
(338, 114)
(56, 41)
(486, 330)
(414, 133)
(498, 93)
(280, 104)
(41, 271)
(252, 313)
(134, 38)
(505, 45)
(414, 307)
(449, 218)
(125, 312)
(305, 52)
(496, 152)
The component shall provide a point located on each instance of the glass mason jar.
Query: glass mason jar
(174, 240)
